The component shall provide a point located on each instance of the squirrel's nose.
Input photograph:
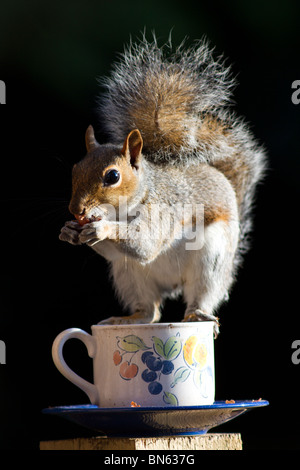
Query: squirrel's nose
(76, 207)
(79, 213)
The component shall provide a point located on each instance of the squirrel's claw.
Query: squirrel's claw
(199, 315)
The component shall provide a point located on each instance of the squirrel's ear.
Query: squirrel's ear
(132, 147)
(90, 139)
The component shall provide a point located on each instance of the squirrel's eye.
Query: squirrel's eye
(111, 177)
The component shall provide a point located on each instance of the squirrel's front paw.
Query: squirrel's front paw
(70, 233)
(94, 232)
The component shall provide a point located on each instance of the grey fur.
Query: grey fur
(189, 148)
(206, 84)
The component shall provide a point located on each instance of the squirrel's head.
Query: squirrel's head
(105, 174)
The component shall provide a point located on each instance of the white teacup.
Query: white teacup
(160, 364)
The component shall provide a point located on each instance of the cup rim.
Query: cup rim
(154, 325)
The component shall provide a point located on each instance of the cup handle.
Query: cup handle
(58, 359)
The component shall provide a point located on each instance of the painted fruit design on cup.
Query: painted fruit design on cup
(129, 345)
(160, 359)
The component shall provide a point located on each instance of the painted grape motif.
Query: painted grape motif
(155, 388)
(152, 362)
(159, 362)
(149, 376)
(156, 365)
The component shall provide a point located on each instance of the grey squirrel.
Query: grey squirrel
(173, 145)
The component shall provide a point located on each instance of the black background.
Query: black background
(50, 57)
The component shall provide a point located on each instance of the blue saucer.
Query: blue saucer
(154, 421)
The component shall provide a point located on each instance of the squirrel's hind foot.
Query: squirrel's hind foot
(199, 315)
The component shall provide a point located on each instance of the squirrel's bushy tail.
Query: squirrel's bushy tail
(162, 93)
(180, 103)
